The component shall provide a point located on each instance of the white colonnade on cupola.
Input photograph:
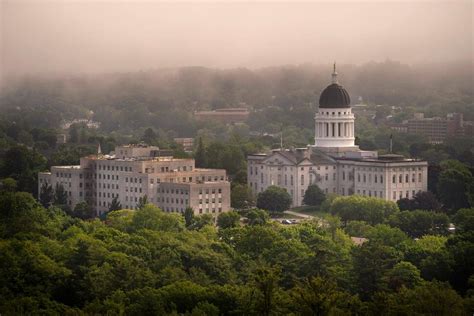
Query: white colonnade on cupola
(334, 128)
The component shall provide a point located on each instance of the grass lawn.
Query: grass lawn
(309, 210)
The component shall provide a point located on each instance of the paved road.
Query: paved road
(299, 214)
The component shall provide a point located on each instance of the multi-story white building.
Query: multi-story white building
(334, 162)
(134, 171)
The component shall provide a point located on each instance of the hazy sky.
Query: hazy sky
(103, 36)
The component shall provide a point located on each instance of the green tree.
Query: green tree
(201, 221)
(313, 196)
(423, 200)
(46, 195)
(274, 199)
(455, 185)
(257, 216)
(151, 217)
(8, 184)
(20, 212)
(402, 274)
(142, 201)
(241, 196)
(188, 216)
(115, 205)
(74, 132)
(23, 164)
(372, 210)
(464, 220)
(266, 283)
(461, 249)
(430, 298)
(83, 211)
(372, 260)
(318, 296)
(200, 155)
(418, 223)
(229, 219)
(60, 195)
(149, 136)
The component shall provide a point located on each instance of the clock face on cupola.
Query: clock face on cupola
(334, 121)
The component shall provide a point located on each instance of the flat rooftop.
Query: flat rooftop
(146, 158)
(389, 158)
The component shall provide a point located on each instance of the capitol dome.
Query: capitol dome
(334, 121)
(334, 96)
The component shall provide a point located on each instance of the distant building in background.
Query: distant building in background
(61, 139)
(134, 171)
(362, 110)
(436, 129)
(399, 127)
(334, 162)
(187, 143)
(226, 115)
(87, 122)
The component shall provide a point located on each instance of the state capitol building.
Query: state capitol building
(334, 163)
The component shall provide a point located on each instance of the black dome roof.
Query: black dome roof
(334, 96)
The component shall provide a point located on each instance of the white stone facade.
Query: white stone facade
(335, 163)
(169, 183)
(334, 128)
(389, 178)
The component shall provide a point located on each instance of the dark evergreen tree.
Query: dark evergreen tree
(83, 211)
(200, 155)
(188, 216)
(46, 195)
(228, 220)
(142, 201)
(313, 196)
(149, 136)
(115, 205)
(274, 199)
(60, 195)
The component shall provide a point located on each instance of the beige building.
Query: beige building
(134, 171)
(334, 162)
(187, 143)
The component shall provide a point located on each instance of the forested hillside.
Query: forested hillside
(148, 262)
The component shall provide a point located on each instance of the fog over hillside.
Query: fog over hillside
(49, 37)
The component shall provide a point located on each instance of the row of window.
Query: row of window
(370, 193)
(213, 210)
(167, 169)
(133, 180)
(407, 178)
(172, 191)
(173, 200)
(400, 194)
(190, 179)
(108, 186)
(365, 177)
(213, 191)
(112, 168)
(106, 176)
(212, 201)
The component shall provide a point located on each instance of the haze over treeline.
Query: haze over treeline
(50, 37)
